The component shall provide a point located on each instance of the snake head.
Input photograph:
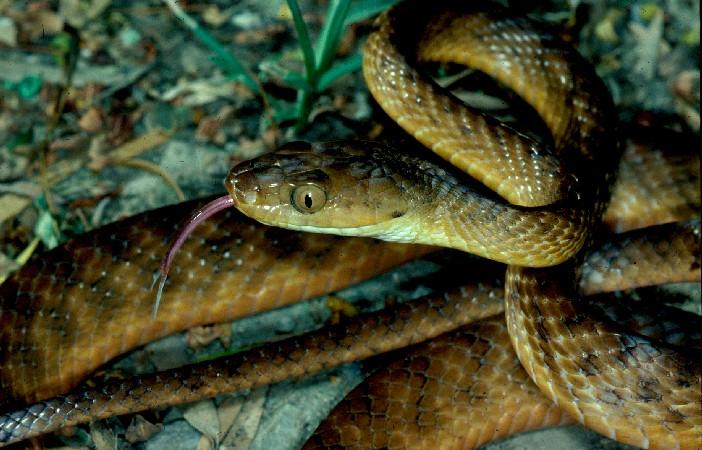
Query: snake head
(332, 187)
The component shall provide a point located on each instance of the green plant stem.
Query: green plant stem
(305, 44)
(232, 66)
(331, 34)
(304, 108)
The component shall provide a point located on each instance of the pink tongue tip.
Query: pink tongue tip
(187, 228)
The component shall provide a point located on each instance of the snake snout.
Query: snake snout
(250, 182)
(242, 186)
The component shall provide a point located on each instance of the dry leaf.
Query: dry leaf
(340, 308)
(38, 22)
(214, 16)
(11, 205)
(686, 85)
(8, 32)
(250, 148)
(205, 443)
(7, 266)
(200, 92)
(79, 12)
(227, 412)
(203, 417)
(140, 430)
(209, 127)
(91, 121)
(201, 336)
(244, 428)
(103, 437)
(271, 137)
(259, 35)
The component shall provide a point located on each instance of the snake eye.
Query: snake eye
(308, 199)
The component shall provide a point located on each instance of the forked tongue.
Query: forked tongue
(202, 214)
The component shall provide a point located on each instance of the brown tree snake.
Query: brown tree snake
(539, 205)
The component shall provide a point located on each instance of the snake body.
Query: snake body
(62, 318)
(515, 399)
(418, 201)
(540, 206)
(619, 384)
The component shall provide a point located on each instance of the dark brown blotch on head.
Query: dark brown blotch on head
(295, 147)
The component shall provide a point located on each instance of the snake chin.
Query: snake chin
(394, 231)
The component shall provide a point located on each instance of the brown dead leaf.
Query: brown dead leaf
(11, 205)
(249, 148)
(8, 32)
(208, 130)
(37, 21)
(271, 137)
(214, 16)
(85, 96)
(103, 437)
(128, 150)
(140, 430)
(7, 266)
(227, 412)
(209, 127)
(202, 416)
(205, 443)
(259, 35)
(77, 141)
(121, 128)
(67, 431)
(689, 113)
(79, 12)
(241, 92)
(340, 101)
(91, 121)
(686, 85)
(606, 29)
(201, 336)
(244, 428)
(340, 308)
(92, 201)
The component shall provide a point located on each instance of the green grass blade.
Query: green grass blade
(273, 70)
(341, 68)
(304, 108)
(231, 66)
(364, 9)
(331, 33)
(284, 112)
(303, 38)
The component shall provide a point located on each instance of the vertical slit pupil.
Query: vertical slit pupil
(308, 200)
